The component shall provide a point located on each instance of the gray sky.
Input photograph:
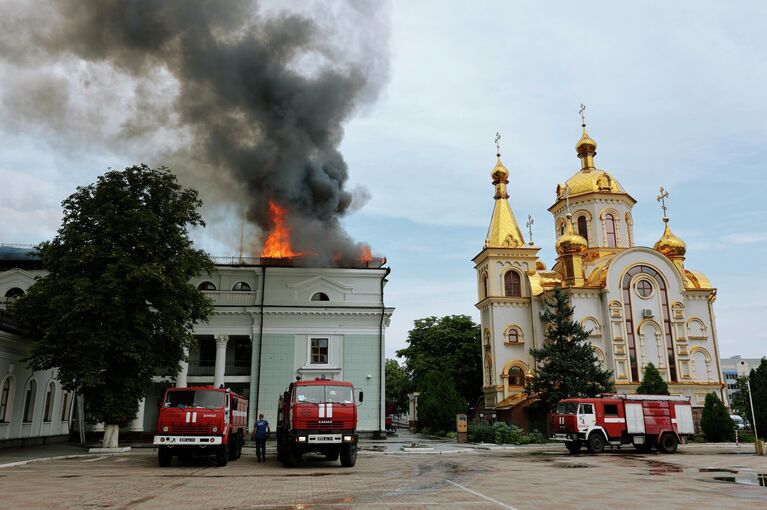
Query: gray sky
(675, 96)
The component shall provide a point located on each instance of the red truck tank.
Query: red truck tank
(646, 421)
(317, 416)
(201, 420)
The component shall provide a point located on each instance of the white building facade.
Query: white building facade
(641, 304)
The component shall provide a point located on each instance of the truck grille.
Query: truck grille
(326, 424)
(189, 428)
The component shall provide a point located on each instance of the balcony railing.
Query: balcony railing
(196, 369)
(231, 297)
(230, 368)
(237, 368)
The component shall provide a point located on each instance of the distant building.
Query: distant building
(734, 367)
(314, 322)
(640, 304)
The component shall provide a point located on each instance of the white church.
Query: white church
(641, 304)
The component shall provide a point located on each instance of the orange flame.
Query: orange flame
(365, 254)
(277, 244)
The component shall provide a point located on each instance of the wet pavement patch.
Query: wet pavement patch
(718, 470)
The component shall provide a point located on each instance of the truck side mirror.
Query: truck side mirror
(362, 397)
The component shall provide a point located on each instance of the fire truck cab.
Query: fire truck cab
(646, 421)
(202, 420)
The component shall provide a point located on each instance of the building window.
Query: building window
(484, 286)
(13, 294)
(319, 351)
(516, 377)
(206, 286)
(612, 240)
(65, 406)
(5, 395)
(644, 288)
(512, 284)
(29, 401)
(50, 393)
(207, 345)
(239, 286)
(583, 228)
(320, 296)
(513, 336)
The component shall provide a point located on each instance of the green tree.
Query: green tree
(567, 364)
(117, 304)
(716, 423)
(652, 382)
(449, 345)
(439, 402)
(741, 405)
(397, 386)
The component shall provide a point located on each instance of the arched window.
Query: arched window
(5, 399)
(489, 370)
(612, 240)
(583, 228)
(241, 286)
(65, 404)
(320, 296)
(484, 286)
(13, 294)
(516, 377)
(50, 393)
(29, 401)
(512, 284)
(562, 228)
(512, 336)
(206, 286)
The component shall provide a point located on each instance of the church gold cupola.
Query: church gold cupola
(504, 231)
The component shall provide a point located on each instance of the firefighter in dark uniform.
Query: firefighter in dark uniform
(260, 435)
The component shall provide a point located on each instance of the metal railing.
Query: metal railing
(230, 368)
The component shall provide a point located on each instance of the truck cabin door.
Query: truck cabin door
(586, 417)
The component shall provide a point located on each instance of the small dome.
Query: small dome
(570, 242)
(670, 245)
(499, 173)
(586, 144)
(594, 181)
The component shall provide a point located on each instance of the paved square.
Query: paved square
(545, 478)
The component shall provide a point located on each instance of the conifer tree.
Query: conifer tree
(652, 382)
(439, 402)
(716, 423)
(567, 362)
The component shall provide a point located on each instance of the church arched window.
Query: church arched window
(512, 284)
(583, 228)
(612, 240)
(516, 377)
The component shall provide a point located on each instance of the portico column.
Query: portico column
(218, 374)
(137, 425)
(183, 370)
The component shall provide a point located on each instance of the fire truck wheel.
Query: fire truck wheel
(240, 442)
(596, 442)
(667, 443)
(234, 446)
(573, 446)
(348, 455)
(164, 456)
(332, 456)
(222, 455)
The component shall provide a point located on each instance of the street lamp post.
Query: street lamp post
(751, 402)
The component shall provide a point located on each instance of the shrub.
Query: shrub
(716, 423)
(439, 403)
(481, 433)
(536, 437)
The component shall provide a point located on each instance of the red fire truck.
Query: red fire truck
(201, 420)
(317, 416)
(642, 420)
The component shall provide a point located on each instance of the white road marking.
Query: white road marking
(503, 505)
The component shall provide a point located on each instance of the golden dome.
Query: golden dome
(586, 144)
(592, 181)
(669, 244)
(499, 173)
(570, 242)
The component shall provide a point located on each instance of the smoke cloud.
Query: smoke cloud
(245, 102)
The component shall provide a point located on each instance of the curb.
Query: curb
(60, 457)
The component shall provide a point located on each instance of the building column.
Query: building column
(218, 374)
(137, 425)
(183, 370)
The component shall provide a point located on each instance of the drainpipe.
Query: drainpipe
(260, 338)
(381, 396)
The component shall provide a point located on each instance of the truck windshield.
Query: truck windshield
(199, 398)
(322, 394)
(567, 408)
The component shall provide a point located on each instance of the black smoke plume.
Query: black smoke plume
(247, 105)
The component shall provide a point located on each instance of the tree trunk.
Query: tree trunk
(111, 434)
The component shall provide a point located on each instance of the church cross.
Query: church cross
(580, 111)
(497, 144)
(529, 226)
(662, 199)
(566, 194)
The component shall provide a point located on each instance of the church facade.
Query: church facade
(640, 304)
